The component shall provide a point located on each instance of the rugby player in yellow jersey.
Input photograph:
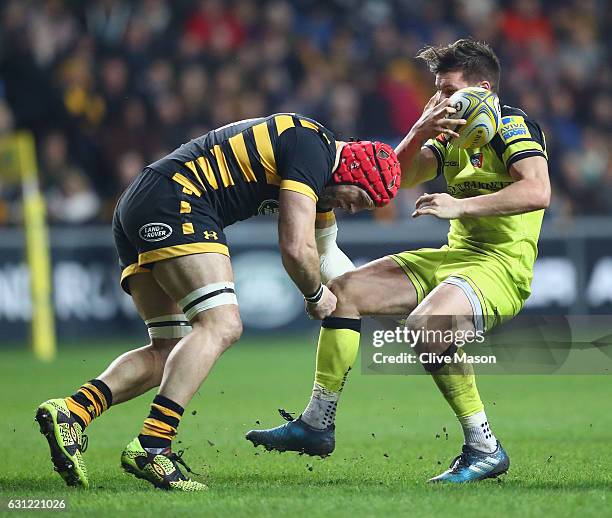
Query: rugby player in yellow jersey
(168, 228)
(494, 202)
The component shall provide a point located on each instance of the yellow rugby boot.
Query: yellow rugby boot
(161, 469)
(66, 439)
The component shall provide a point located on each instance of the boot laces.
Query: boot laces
(286, 415)
(459, 462)
(177, 458)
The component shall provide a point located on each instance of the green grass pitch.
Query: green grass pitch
(393, 434)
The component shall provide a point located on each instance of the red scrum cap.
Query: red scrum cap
(373, 166)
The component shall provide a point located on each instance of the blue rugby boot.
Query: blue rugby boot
(295, 435)
(473, 465)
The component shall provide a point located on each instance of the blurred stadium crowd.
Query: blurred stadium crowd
(109, 85)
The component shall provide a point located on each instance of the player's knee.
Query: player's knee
(431, 329)
(213, 313)
(231, 332)
(416, 321)
(221, 331)
(228, 328)
(341, 286)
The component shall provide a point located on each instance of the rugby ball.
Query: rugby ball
(480, 108)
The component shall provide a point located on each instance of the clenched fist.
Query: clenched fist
(324, 308)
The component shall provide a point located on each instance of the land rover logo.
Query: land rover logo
(155, 231)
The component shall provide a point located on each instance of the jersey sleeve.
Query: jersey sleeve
(304, 161)
(518, 137)
(438, 146)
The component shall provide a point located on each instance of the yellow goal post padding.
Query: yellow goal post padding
(18, 165)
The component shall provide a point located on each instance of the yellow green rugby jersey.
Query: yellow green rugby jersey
(472, 172)
(239, 169)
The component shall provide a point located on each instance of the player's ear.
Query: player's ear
(485, 84)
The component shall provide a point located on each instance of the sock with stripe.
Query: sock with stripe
(87, 403)
(457, 383)
(336, 354)
(160, 427)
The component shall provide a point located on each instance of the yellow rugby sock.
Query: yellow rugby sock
(87, 403)
(336, 355)
(160, 426)
(457, 383)
(337, 351)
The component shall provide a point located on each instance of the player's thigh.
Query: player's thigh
(150, 299)
(164, 319)
(446, 308)
(203, 287)
(380, 287)
(179, 276)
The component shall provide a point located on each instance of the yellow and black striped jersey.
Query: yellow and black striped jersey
(240, 168)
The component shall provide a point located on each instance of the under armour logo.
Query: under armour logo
(210, 234)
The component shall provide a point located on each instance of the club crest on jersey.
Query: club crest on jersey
(268, 207)
(155, 232)
(441, 138)
(476, 160)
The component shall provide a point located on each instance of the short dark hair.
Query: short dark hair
(475, 59)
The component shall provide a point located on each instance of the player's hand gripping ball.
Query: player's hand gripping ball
(480, 108)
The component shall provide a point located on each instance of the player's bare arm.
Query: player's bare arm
(530, 191)
(298, 250)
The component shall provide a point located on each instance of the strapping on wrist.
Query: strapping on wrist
(316, 296)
